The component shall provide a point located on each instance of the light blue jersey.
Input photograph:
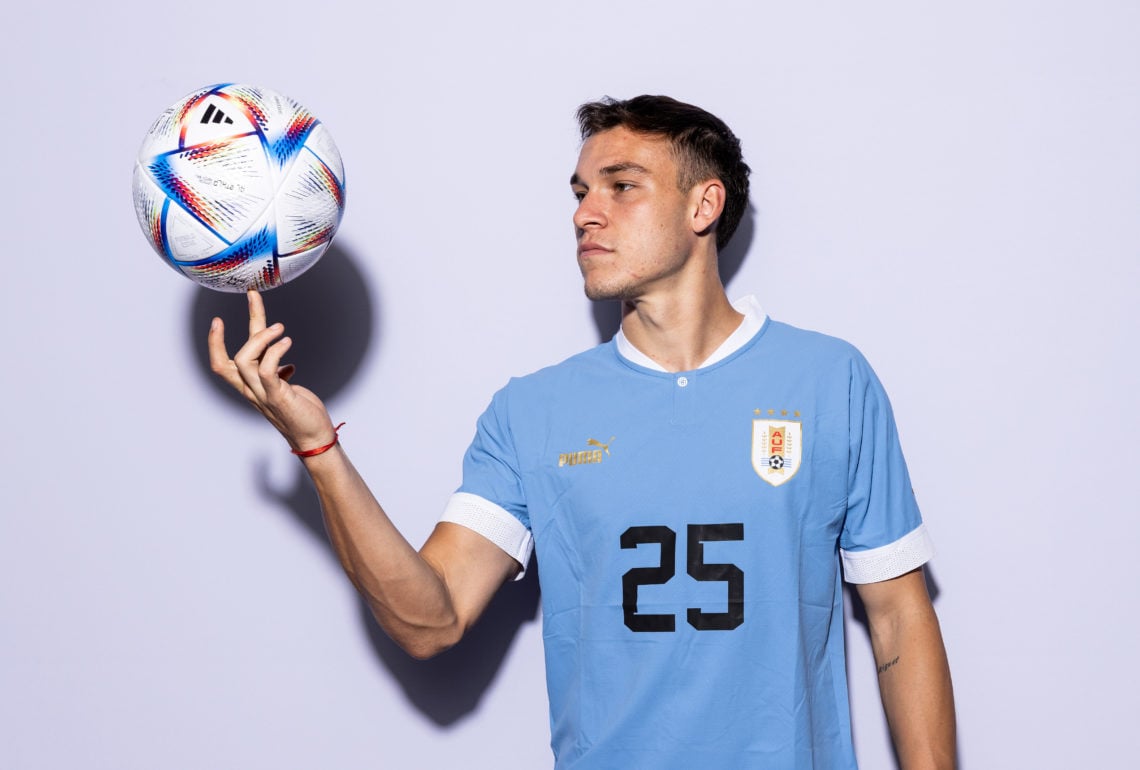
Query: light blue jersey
(689, 529)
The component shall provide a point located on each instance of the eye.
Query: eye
(578, 194)
(623, 186)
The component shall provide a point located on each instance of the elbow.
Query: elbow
(419, 641)
(424, 649)
(423, 646)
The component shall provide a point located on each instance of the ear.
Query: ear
(708, 204)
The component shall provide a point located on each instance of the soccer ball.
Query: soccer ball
(238, 187)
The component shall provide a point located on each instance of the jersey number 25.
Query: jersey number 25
(698, 535)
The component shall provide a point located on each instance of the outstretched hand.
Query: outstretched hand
(257, 373)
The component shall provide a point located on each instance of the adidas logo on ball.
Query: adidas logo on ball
(217, 115)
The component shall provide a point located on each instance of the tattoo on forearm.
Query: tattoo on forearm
(882, 668)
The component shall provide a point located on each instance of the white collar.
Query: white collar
(754, 320)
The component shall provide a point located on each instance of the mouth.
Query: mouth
(588, 249)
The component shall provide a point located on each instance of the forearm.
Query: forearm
(406, 592)
(914, 682)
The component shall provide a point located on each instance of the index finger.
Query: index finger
(256, 311)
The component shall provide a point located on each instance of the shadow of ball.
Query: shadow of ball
(327, 311)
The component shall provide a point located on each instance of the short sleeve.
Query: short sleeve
(491, 500)
(883, 534)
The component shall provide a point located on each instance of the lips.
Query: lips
(587, 249)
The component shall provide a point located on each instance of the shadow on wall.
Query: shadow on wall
(331, 318)
(449, 686)
(327, 312)
(607, 315)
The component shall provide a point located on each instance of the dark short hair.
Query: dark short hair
(704, 146)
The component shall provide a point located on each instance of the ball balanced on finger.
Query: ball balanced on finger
(239, 187)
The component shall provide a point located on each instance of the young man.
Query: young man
(692, 488)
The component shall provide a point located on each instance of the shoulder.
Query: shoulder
(809, 347)
(524, 395)
(598, 361)
(527, 405)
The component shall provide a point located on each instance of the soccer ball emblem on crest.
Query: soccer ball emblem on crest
(777, 448)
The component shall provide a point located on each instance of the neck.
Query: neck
(680, 327)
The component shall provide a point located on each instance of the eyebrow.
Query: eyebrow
(627, 167)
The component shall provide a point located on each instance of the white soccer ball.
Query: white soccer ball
(238, 187)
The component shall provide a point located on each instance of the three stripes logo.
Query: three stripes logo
(215, 115)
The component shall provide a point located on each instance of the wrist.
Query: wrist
(318, 450)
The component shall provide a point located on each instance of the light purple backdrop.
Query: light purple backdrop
(954, 190)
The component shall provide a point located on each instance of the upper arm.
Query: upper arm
(891, 603)
(471, 566)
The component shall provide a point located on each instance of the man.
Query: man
(692, 488)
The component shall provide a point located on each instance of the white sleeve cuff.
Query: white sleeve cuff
(492, 522)
(889, 561)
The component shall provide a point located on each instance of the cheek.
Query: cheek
(647, 220)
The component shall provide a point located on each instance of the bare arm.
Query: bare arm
(424, 600)
(914, 676)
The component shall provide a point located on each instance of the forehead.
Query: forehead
(618, 147)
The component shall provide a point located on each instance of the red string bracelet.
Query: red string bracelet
(321, 449)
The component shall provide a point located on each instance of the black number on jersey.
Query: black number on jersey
(698, 535)
(648, 576)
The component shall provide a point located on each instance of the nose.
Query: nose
(589, 213)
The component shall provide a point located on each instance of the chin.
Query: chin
(600, 287)
(606, 293)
